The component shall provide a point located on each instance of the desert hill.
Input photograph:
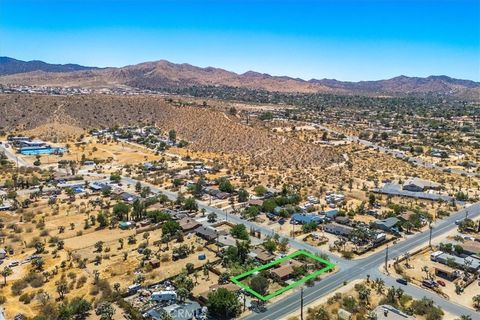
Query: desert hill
(164, 75)
(14, 66)
(205, 129)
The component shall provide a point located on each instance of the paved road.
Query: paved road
(360, 268)
(395, 153)
(12, 156)
(350, 269)
(265, 231)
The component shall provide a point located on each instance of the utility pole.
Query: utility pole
(386, 259)
(430, 239)
(301, 304)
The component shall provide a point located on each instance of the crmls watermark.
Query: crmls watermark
(186, 314)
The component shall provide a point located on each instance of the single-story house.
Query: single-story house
(226, 240)
(207, 233)
(155, 207)
(128, 197)
(388, 224)
(216, 193)
(471, 247)
(419, 185)
(298, 218)
(343, 220)
(473, 264)
(445, 272)
(3, 253)
(98, 186)
(405, 216)
(188, 225)
(331, 214)
(387, 312)
(285, 270)
(338, 229)
(262, 255)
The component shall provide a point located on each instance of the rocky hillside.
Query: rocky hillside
(164, 75)
(207, 130)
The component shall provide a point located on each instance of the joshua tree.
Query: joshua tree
(62, 288)
(5, 273)
(146, 236)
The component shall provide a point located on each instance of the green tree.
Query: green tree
(121, 210)
(102, 219)
(223, 304)
(211, 217)
(116, 178)
(242, 195)
(79, 308)
(190, 204)
(259, 284)
(170, 227)
(105, 310)
(239, 231)
(225, 185)
(260, 190)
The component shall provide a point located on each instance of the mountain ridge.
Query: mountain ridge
(163, 75)
(14, 66)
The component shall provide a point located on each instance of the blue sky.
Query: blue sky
(346, 40)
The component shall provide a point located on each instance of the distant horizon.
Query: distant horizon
(345, 40)
(240, 73)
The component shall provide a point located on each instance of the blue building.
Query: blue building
(299, 218)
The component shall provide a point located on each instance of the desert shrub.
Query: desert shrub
(81, 281)
(26, 298)
(18, 286)
(35, 280)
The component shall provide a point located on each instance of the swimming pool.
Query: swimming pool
(34, 152)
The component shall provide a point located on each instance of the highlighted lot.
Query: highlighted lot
(302, 254)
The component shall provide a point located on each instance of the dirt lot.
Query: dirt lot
(415, 271)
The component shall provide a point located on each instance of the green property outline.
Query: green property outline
(236, 279)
